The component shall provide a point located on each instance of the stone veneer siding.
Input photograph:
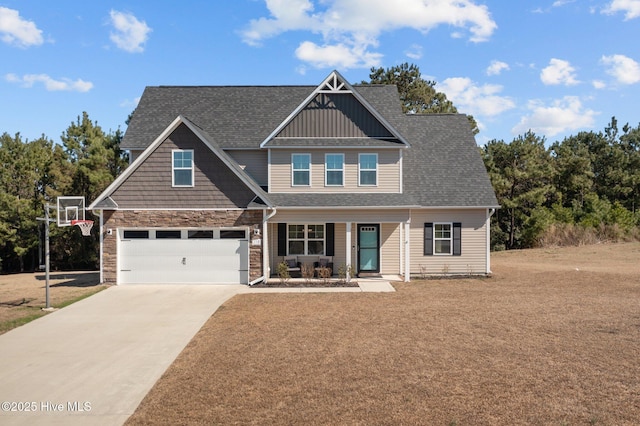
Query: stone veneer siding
(177, 219)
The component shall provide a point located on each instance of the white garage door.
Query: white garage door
(169, 256)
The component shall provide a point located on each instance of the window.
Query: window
(233, 234)
(182, 168)
(334, 169)
(131, 235)
(368, 167)
(305, 239)
(442, 239)
(301, 169)
(173, 234)
(200, 234)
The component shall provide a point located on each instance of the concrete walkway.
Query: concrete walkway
(93, 362)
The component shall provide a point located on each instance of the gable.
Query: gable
(334, 110)
(216, 186)
(335, 115)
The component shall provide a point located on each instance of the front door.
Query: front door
(368, 248)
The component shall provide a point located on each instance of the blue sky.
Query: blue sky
(555, 67)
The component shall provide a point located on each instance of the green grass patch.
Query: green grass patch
(25, 315)
(30, 315)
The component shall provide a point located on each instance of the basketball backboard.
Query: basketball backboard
(70, 208)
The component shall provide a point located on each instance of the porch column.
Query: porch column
(407, 250)
(348, 251)
(266, 265)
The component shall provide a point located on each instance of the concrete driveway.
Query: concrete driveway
(93, 362)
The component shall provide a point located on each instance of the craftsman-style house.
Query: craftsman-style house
(226, 183)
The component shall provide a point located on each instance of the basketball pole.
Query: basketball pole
(46, 220)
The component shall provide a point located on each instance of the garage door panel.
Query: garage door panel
(204, 261)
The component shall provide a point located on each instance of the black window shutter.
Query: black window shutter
(282, 239)
(457, 238)
(428, 239)
(330, 238)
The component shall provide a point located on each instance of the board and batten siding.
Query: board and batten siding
(331, 115)
(473, 259)
(215, 185)
(254, 163)
(388, 171)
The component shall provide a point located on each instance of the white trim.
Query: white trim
(407, 250)
(101, 248)
(416, 207)
(325, 147)
(401, 247)
(268, 170)
(450, 239)
(490, 213)
(348, 251)
(400, 163)
(293, 184)
(327, 170)
(173, 168)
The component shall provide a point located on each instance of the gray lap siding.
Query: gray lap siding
(177, 219)
(150, 185)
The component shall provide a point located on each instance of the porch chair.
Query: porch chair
(324, 262)
(293, 266)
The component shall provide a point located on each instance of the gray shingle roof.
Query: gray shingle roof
(441, 168)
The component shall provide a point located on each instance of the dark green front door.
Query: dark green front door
(368, 248)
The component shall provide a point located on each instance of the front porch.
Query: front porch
(350, 250)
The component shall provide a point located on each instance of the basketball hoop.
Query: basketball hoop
(84, 225)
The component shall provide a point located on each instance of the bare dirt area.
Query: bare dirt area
(22, 296)
(552, 338)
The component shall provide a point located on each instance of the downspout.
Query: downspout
(101, 248)
(490, 212)
(265, 252)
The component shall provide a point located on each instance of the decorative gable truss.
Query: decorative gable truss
(334, 110)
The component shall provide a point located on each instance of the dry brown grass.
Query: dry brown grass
(539, 343)
(22, 296)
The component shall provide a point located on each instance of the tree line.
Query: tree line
(583, 189)
(34, 173)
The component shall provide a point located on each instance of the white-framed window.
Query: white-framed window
(368, 169)
(182, 167)
(442, 238)
(305, 239)
(334, 169)
(301, 169)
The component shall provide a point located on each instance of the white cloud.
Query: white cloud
(49, 83)
(563, 115)
(127, 103)
(631, 8)
(355, 25)
(472, 98)
(598, 84)
(496, 67)
(336, 56)
(18, 31)
(559, 72)
(559, 3)
(130, 34)
(624, 69)
(414, 51)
